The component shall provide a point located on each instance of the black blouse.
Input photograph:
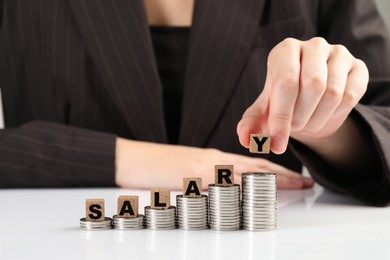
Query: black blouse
(170, 47)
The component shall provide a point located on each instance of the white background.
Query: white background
(40, 224)
(384, 7)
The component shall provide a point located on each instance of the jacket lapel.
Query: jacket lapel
(221, 37)
(117, 36)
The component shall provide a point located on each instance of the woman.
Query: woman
(135, 94)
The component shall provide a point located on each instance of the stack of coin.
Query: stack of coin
(160, 218)
(224, 207)
(128, 223)
(259, 201)
(192, 212)
(96, 225)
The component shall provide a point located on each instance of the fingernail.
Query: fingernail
(308, 181)
(279, 144)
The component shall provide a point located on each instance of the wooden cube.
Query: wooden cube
(127, 206)
(192, 187)
(260, 143)
(160, 198)
(95, 209)
(224, 175)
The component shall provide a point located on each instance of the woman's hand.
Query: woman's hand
(151, 165)
(311, 87)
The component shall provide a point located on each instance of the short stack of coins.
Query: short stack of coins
(160, 215)
(192, 206)
(127, 217)
(128, 223)
(160, 218)
(259, 201)
(95, 225)
(224, 200)
(95, 219)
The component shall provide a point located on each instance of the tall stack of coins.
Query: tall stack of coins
(192, 206)
(160, 218)
(224, 200)
(192, 212)
(259, 201)
(224, 207)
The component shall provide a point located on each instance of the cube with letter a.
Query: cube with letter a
(127, 206)
(224, 175)
(94, 209)
(192, 187)
(160, 198)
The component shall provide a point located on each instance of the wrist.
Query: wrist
(123, 157)
(118, 161)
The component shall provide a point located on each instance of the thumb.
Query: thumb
(255, 118)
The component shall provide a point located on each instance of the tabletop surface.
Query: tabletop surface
(312, 224)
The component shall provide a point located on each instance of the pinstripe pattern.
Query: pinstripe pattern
(225, 48)
(114, 57)
(1, 112)
(76, 73)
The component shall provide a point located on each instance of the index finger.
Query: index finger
(284, 68)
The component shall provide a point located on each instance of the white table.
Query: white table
(312, 224)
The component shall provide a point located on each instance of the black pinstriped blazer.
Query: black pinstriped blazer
(77, 73)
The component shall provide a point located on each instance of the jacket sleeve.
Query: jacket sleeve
(358, 26)
(43, 154)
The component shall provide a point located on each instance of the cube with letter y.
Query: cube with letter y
(259, 143)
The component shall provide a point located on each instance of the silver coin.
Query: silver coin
(257, 184)
(251, 193)
(249, 201)
(259, 224)
(260, 205)
(259, 229)
(263, 210)
(248, 218)
(258, 199)
(258, 174)
(191, 208)
(161, 227)
(265, 190)
(225, 227)
(198, 215)
(260, 212)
